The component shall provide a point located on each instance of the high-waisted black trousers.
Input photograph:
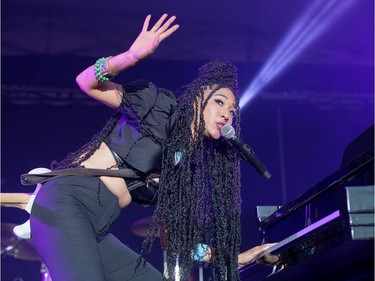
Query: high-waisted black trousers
(69, 222)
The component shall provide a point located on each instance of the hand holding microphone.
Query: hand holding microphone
(228, 133)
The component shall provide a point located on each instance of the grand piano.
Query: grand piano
(327, 233)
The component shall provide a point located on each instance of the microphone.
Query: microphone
(228, 133)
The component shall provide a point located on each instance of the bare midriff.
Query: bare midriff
(102, 159)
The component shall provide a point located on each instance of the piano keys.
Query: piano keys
(325, 234)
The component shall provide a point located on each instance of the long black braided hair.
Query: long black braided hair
(199, 190)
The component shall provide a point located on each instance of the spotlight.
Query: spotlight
(313, 22)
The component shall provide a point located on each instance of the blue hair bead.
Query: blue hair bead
(200, 252)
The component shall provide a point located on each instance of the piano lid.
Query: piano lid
(362, 165)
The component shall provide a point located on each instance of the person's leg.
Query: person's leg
(68, 249)
(63, 233)
(120, 262)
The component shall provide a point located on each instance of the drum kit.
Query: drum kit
(23, 249)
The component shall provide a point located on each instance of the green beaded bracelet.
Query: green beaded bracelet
(101, 71)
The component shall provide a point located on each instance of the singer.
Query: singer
(197, 196)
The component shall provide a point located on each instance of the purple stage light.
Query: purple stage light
(313, 22)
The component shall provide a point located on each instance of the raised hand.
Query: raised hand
(148, 40)
(145, 44)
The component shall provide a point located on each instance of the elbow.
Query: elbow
(86, 81)
(81, 81)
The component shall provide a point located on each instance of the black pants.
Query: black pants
(69, 220)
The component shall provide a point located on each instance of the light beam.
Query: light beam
(313, 22)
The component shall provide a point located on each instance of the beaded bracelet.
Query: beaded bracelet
(101, 70)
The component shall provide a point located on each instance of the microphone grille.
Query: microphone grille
(227, 131)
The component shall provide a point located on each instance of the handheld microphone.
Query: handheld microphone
(228, 133)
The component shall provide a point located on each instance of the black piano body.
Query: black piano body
(325, 234)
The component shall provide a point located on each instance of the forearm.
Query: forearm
(89, 83)
(122, 62)
(242, 259)
(18, 200)
(116, 64)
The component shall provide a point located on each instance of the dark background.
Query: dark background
(298, 125)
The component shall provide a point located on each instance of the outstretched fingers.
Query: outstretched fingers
(159, 23)
(160, 28)
(165, 30)
(148, 40)
(146, 23)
